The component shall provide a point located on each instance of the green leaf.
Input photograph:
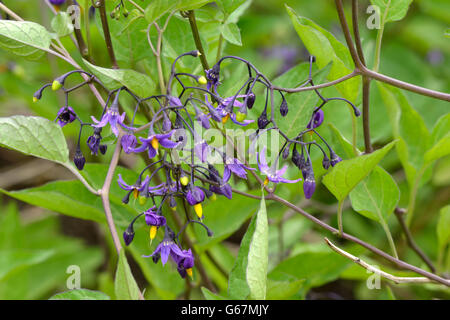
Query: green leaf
(80, 294)
(20, 258)
(393, 9)
(345, 147)
(348, 173)
(24, 38)
(62, 24)
(258, 256)
(443, 227)
(439, 150)
(314, 268)
(229, 6)
(247, 278)
(301, 105)
(409, 128)
(324, 46)
(210, 295)
(34, 136)
(376, 196)
(67, 197)
(157, 8)
(139, 83)
(125, 286)
(282, 290)
(231, 33)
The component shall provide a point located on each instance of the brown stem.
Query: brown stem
(79, 36)
(399, 263)
(105, 27)
(410, 240)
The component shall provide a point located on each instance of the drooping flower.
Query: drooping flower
(154, 220)
(316, 119)
(168, 247)
(153, 141)
(235, 166)
(128, 142)
(309, 185)
(185, 263)
(113, 117)
(201, 150)
(271, 173)
(334, 158)
(225, 110)
(195, 196)
(66, 115)
(136, 188)
(93, 142)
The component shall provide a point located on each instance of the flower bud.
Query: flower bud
(250, 100)
(263, 121)
(284, 108)
(79, 159)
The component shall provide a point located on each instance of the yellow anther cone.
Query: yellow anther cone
(198, 210)
(155, 143)
(135, 193)
(189, 272)
(266, 181)
(225, 119)
(153, 230)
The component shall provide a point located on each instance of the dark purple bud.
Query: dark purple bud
(128, 235)
(298, 159)
(156, 257)
(284, 108)
(172, 202)
(309, 185)
(178, 122)
(263, 121)
(334, 158)
(326, 162)
(79, 159)
(103, 148)
(250, 100)
(285, 153)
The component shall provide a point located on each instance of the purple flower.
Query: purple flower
(212, 75)
(153, 141)
(113, 117)
(195, 195)
(57, 2)
(224, 190)
(271, 173)
(201, 150)
(128, 142)
(136, 188)
(224, 111)
(153, 219)
(66, 115)
(185, 263)
(93, 142)
(235, 166)
(202, 118)
(316, 120)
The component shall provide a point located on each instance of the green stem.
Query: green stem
(219, 48)
(376, 64)
(88, 30)
(339, 218)
(197, 40)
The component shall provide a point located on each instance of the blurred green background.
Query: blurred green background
(38, 245)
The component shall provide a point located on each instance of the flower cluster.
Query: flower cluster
(196, 178)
